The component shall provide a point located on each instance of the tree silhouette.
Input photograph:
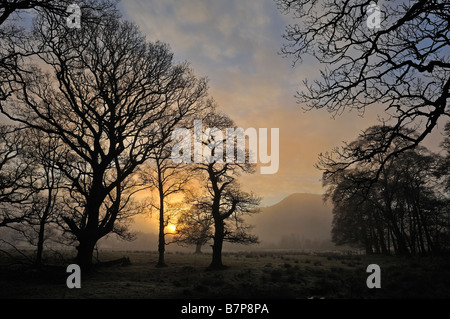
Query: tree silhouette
(224, 199)
(404, 210)
(17, 176)
(110, 97)
(167, 178)
(45, 205)
(194, 227)
(404, 65)
(12, 30)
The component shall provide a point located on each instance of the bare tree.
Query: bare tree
(45, 204)
(12, 30)
(223, 197)
(404, 65)
(167, 178)
(17, 176)
(194, 227)
(110, 97)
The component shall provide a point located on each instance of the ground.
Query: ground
(258, 274)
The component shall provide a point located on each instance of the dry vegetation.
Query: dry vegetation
(249, 275)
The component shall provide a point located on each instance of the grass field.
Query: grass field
(258, 274)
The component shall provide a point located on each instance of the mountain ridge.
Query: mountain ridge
(298, 215)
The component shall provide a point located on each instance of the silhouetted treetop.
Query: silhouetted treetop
(404, 65)
(110, 97)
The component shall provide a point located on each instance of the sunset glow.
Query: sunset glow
(171, 228)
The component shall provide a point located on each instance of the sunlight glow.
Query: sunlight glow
(172, 228)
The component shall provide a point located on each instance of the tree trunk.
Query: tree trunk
(42, 223)
(430, 243)
(388, 240)
(85, 252)
(89, 236)
(402, 248)
(381, 235)
(40, 243)
(216, 262)
(162, 240)
(198, 248)
(368, 247)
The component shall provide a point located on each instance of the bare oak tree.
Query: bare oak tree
(45, 205)
(111, 97)
(194, 226)
(167, 178)
(223, 196)
(12, 29)
(404, 65)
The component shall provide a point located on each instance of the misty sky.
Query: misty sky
(236, 44)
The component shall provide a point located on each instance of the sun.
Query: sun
(172, 228)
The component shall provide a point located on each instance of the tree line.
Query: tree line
(405, 211)
(91, 114)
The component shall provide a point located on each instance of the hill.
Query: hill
(298, 220)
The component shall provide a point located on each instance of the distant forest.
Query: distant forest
(398, 205)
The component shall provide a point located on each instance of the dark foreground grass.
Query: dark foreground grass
(271, 275)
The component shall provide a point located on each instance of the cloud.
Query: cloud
(236, 43)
